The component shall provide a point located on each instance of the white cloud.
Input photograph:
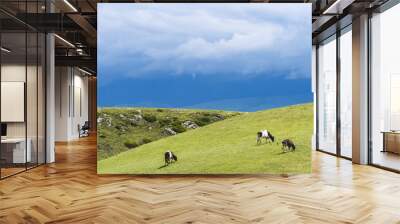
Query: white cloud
(204, 39)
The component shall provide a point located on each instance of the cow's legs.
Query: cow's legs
(259, 140)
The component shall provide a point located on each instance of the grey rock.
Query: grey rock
(168, 131)
(219, 116)
(109, 122)
(105, 120)
(121, 128)
(190, 125)
(136, 119)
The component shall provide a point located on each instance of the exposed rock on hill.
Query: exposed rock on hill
(189, 125)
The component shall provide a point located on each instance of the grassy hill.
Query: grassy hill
(228, 146)
(122, 129)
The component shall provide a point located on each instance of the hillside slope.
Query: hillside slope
(227, 146)
(122, 129)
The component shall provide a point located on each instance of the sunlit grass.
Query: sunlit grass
(228, 146)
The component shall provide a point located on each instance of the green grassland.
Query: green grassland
(122, 129)
(226, 147)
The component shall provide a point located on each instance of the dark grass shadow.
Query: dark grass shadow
(163, 166)
(263, 144)
(281, 153)
(284, 152)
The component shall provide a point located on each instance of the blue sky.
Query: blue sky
(243, 57)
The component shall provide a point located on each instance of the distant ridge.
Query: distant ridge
(251, 104)
(247, 104)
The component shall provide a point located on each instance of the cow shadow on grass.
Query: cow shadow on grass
(264, 144)
(281, 153)
(163, 166)
(284, 152)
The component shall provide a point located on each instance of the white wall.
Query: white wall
(62, 82)
(12, 73)
(71, 87)
(33, 126)
(80, 115)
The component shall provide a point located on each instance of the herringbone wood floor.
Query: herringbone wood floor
(69, 191)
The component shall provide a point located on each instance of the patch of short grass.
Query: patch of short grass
(226, 147)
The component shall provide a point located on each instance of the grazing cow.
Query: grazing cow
(288, 144)
(170, 157)
(265, 134)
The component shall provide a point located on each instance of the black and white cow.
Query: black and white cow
(265, 134)
(170, 157)
(288, 144)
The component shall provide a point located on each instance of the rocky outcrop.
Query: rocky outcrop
(219, 117)
(104, 119)
(168, 132)
(136, 119)
(190, 125)
(121, 128)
